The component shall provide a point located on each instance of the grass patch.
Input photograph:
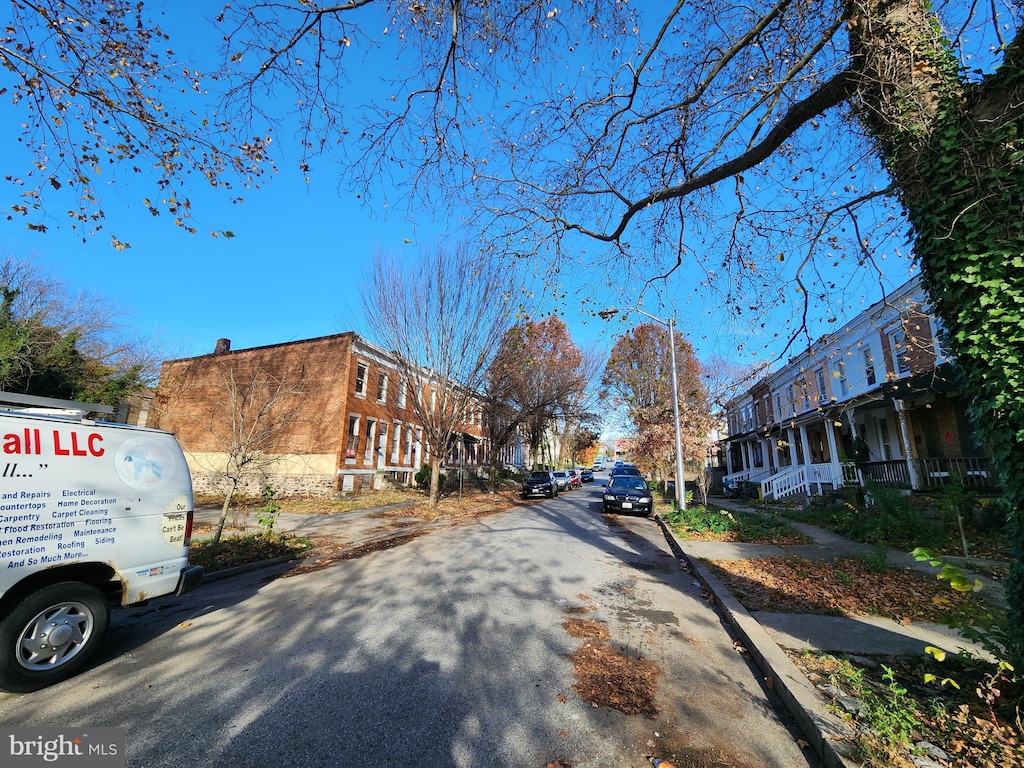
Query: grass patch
(699, 523)
(899, 522)
(241, 550)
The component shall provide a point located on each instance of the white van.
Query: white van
(92, 514)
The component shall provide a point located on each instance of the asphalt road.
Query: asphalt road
(447, 651)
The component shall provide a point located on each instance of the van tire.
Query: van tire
(77, 612)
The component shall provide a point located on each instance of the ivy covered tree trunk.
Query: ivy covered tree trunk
(956, 149)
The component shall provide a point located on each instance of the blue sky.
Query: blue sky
(292, 271)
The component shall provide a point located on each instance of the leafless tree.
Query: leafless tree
(443, 315)
(760, 144)
(238, 426)
(638, 377)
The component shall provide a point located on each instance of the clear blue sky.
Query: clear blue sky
(292, 270)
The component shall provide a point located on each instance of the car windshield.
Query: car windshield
(629, 483)
(535, 476)
(560, 474)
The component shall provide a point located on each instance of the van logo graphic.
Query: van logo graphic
(144, 464)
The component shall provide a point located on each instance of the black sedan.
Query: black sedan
(587, 476)
(540, 484)
(628, 493)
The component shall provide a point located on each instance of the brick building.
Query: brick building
(317, 416)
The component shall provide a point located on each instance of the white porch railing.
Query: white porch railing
(785, 483)
(799, 479)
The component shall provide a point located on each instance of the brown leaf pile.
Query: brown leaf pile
(594, 630)
(607, 678)
(843, 587)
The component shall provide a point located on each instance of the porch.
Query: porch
(909, 474)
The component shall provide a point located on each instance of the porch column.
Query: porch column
(908, 444)
(833, 454)
(793, 458)
(805, 444)
(766, 451)
(854, 434)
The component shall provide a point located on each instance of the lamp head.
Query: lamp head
(604, 314)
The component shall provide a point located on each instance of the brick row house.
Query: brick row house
(877, 401)
(318, 416)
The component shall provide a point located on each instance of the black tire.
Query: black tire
(72, 613)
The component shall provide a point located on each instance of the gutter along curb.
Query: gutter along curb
(830, 736)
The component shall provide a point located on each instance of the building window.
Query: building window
(769, 417)
(353, 437)
(840, 376)
(396, 438)
(382, 387)
(898, 343)
(407, 458)
(790, 396)
(869, 366)
(361, 380)
(402, 389)
(822, 392)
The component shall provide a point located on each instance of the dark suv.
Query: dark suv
(540, 484)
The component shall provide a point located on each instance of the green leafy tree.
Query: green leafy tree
(43, 354)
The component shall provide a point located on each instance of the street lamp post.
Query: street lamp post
(680, 482)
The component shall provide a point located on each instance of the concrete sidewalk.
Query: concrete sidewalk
(765, 635)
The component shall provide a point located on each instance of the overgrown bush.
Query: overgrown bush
(877, 515)
(422, 478)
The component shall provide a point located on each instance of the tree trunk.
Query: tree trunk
(224, 511)
(435, 480)
(956, 150)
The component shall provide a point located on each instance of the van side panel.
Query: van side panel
(77, 492)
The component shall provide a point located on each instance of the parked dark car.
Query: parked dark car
(587, 476)
(540, 484)
(628, 493)
(625, 470)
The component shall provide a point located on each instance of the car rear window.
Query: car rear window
(629, 483)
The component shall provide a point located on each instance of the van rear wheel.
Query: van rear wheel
(50, 635)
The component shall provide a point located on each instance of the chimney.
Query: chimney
(223, 346)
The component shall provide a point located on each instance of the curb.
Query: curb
(830, 736)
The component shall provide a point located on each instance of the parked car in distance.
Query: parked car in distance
(574, 478)
(628, 493)
(587, 476)
(562, 478)
(540, 483)
(624, 470)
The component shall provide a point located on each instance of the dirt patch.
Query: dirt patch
(607, 678)
(842, 587)
(328, 558)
